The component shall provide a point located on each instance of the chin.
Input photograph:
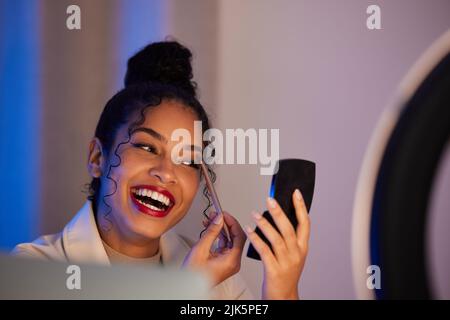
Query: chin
(147, 228)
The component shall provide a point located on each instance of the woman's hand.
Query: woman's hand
(223, 262)
(283, 267)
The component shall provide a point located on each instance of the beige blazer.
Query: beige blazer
(80, 242)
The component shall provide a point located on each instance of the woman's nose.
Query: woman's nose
(164, 171)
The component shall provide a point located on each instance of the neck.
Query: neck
(130, 245)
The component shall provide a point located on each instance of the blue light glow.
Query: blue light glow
(19, 121)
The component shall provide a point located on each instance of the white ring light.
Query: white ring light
(364, 204)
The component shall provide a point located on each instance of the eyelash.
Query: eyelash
(146, 147)
(193, 165)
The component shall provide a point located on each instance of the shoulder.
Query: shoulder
(55, 246)
(48, 247)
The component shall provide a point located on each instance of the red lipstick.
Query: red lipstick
(148, 200)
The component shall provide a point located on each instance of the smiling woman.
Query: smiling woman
(138, 193)
(140, 175)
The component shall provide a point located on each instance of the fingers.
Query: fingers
(283, 223)
(212, 232)
(277, 242)
(286, 240)
(222, 237)
(262, 248)
(237, 234)
(223, 240)
(303, 227)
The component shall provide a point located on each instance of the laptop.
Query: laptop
(24, 278)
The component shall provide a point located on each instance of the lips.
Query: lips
(152, 200)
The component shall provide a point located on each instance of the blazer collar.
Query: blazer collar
(82, 242)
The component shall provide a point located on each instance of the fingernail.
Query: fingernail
(297, 194)
(272, 203)
(248, 229)
(256, 215)
(218, 219)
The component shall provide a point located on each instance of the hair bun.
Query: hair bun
(166, 62)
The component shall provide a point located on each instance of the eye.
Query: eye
(191, 163)
(145, 147)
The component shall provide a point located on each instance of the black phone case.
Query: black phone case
(292, 174)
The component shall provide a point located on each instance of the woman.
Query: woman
(138, 194)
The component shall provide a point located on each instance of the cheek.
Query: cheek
(130, 164)
(189, 182)
(121, 172)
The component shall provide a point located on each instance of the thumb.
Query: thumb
(212, 232)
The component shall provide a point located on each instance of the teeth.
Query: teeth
(152, 194)
(150, 206)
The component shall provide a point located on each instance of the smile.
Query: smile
(152, 200)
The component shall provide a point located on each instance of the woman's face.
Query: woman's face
(153, 193)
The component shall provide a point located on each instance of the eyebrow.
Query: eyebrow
(161, 138)
(151, 132)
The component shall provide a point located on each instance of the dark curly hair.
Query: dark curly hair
(159, 72)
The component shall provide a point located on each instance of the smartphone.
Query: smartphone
(292, 174)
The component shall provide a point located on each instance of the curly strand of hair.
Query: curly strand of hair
(108, 176)
(138, 122)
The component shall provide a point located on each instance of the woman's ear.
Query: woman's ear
(96, 158)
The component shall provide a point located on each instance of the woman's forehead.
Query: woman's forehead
(169, 116)
(162, 121)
